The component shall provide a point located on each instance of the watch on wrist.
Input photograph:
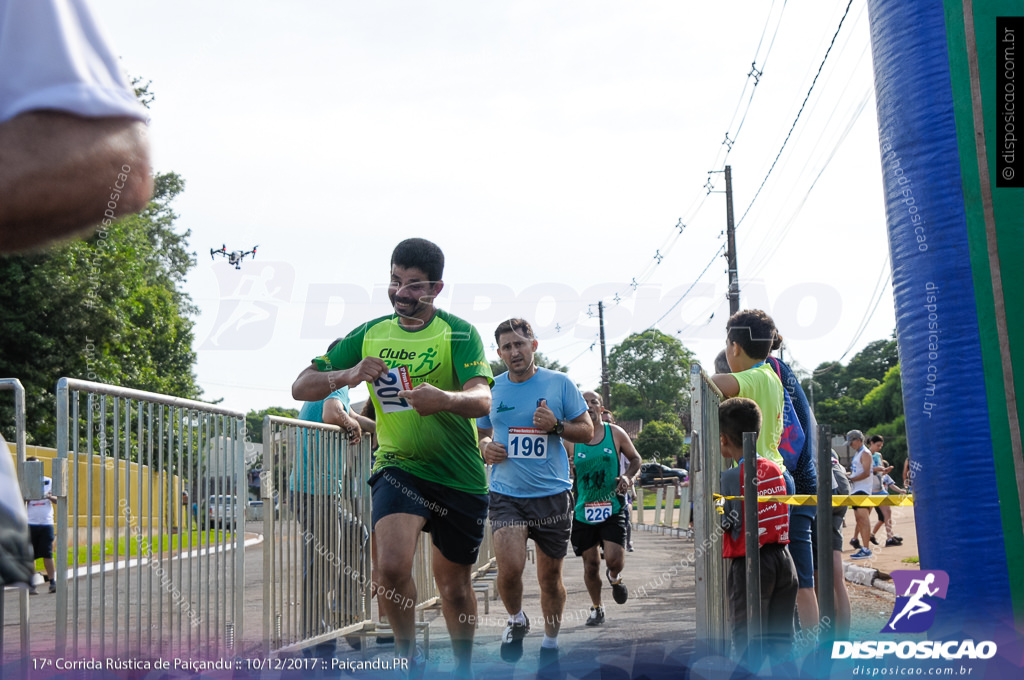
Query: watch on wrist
(559, 427)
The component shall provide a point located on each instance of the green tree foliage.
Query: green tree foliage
(254, 421)
(649, 372)
(498, 366)
(874, 361)
(661, 442)
(828, 381)
(868, 401)
(107, 309)
(861, 387)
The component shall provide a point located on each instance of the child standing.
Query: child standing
(778, 574)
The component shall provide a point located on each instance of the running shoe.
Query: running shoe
(855, 543)
(619, 592)
(548, 665)
(512, 640)
(596, 617)
(874, 540)
(53, 586)
(892, 542)
(861, 554)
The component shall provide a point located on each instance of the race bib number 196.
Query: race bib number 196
(388, 387)
(527, 442)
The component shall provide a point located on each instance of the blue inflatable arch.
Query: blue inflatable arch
(946, 76)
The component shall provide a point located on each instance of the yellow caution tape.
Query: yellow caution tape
(858, 501)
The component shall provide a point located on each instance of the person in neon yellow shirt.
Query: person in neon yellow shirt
(750, 337)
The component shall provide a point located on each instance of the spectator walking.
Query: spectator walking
(41, 531)
(888, 486)
(860, 485)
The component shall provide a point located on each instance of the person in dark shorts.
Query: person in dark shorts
(428, 379)
(532, 410)
(40, 529)
(599, 519)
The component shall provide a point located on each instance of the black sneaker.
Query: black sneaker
(53, 587)
(874, 540)
(512, 640)
(619, 592)
(548, 665)
(855, 543)
(596, 617)
(892, 542)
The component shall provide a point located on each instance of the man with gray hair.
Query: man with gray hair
(860, 484)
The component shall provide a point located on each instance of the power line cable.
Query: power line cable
(820, 67)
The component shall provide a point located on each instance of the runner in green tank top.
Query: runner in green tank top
(597, 476)
(600, 520)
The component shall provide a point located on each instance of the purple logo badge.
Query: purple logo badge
(916, 592)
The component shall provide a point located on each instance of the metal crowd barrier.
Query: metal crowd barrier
(134, 476)
(317, 575)
(316, 553)
(665, 519)
(706, 466)
(14, 385)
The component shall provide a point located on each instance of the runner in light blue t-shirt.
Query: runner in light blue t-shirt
(532, 410)
(537, 465)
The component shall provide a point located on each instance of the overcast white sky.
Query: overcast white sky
(549, 148)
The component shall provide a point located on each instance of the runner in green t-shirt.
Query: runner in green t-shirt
(428, 378)
(600, 520)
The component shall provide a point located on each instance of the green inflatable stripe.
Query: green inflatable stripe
(1006, 219)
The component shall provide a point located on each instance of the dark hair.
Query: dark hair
(736, 416)
(422, 254)
(754, 331)
(722, 364)
(518, 326)
(874, 439)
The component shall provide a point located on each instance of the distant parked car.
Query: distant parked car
(220, 512)
(656, 473)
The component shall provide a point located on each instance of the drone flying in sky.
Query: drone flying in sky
(235, 257)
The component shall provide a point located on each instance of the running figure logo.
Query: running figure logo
(914, 612)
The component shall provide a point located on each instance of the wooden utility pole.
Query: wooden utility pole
(605, 396)
(730, 230)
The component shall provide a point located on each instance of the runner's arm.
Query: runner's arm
(314, 385)
(474, 401)
(625, 447)
(580, 429)
(491, 451)
(57, 172)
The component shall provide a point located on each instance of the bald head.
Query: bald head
(594, 405)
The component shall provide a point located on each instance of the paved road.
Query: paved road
(655, 626)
